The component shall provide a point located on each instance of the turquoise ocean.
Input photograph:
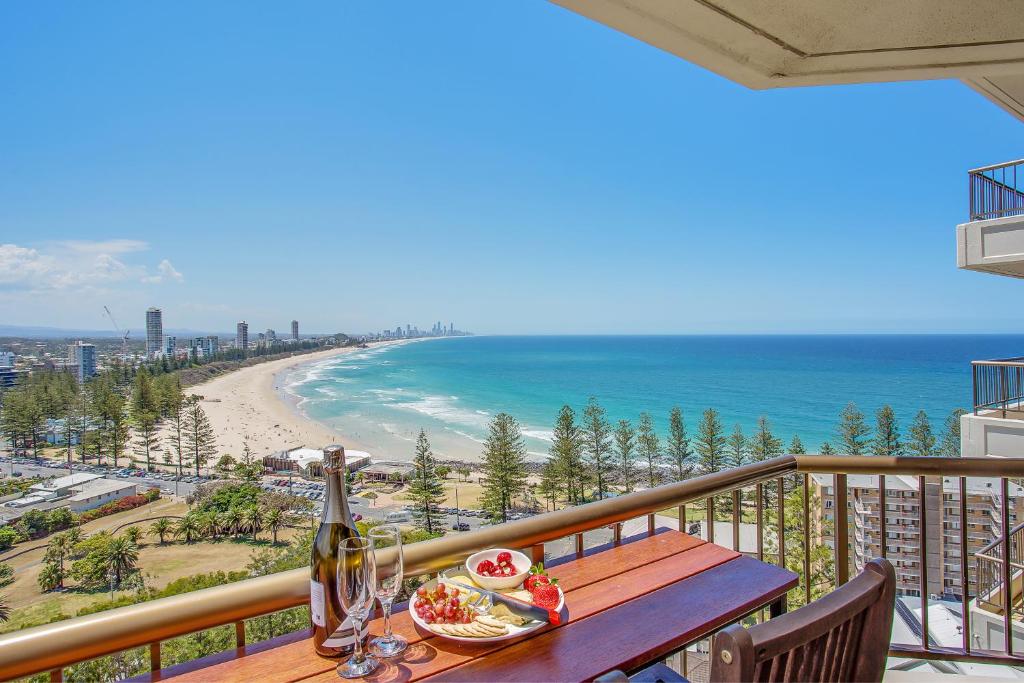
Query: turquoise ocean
(382, 396)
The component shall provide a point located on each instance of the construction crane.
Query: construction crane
(123, 334)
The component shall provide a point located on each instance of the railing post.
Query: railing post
(154, 656)
(842, 532)
(650, 524)
(682, 518)
(883, 530)
(923, 556)
(56, 676)
(736, 514)
(781, 500)
(239, 633)
(807, 539)
(579, 545)
(964, 579)
(537, 550)
(709, 518)
(760, 521)
(1007, 575)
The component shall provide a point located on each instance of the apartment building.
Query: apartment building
(242, 335)
(903, 531)
(154, 332)
(82, 359)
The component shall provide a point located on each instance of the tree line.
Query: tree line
(109, 417)
(592, 457)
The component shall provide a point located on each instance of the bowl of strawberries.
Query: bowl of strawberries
(498, 569)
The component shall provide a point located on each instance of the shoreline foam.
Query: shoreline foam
(245, 407)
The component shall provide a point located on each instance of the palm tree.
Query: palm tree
(161, 528)
(187, 528)
(121, 558)
(231, 521)
(274, 520)
(252, 520)
(133, 534)
(57, 551)
(209, 525)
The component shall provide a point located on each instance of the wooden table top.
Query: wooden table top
(627, 604)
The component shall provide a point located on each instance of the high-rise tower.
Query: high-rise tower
(154, 332)
(242, 336)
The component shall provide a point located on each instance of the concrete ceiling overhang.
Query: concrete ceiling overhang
(784, 43)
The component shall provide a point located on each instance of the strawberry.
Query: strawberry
(504, 557)
(546, 595)
(537, 576)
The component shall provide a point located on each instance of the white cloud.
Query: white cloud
(166, 273)
(77, 264)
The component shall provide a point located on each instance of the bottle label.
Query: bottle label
(317, 602)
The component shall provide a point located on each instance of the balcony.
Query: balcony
(786, 529)
(995, 427)
(993, 240)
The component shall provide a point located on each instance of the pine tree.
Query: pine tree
(763, 444)
(567, 455)
(597, 442)
(504, 465)
(710, 443)
(887, 433)
(199, 440)
(649, 448)
(796, 446)
(736, 448)
(172, 403)
(625, 444)
(950, 446)
(549, 485)
(853, 432)
(426, 490)
(826, 449)
(922, 440)
(678, 445)
(146, 440)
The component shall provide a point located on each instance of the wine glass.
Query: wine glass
(356, 584)
(389, 583)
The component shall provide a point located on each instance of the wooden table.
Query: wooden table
(628, 604)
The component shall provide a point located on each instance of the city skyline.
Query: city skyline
(503, 188)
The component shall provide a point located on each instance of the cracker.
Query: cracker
(488, 620)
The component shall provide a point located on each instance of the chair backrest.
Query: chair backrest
(844, 636)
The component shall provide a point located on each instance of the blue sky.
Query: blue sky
(510, 166)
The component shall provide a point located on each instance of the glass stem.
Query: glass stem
(357, 655)
(386, 604)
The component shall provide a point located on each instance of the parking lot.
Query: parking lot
(165, 481)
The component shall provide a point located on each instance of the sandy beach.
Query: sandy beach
(245, 406)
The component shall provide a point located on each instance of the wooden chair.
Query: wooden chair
(844, 636)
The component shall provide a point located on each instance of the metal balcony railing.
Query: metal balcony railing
(991, 579)
(997, 191)
(52, 647)
(998, 384)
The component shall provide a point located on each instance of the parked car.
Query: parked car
(461, 526)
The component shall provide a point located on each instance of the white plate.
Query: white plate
(513, 631)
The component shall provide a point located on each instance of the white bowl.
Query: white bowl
(498, 583)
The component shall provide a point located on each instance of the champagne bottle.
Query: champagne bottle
(333, 634)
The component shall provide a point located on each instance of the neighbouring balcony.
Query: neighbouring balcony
(995, 427)
(993, 240)
(968, 633)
